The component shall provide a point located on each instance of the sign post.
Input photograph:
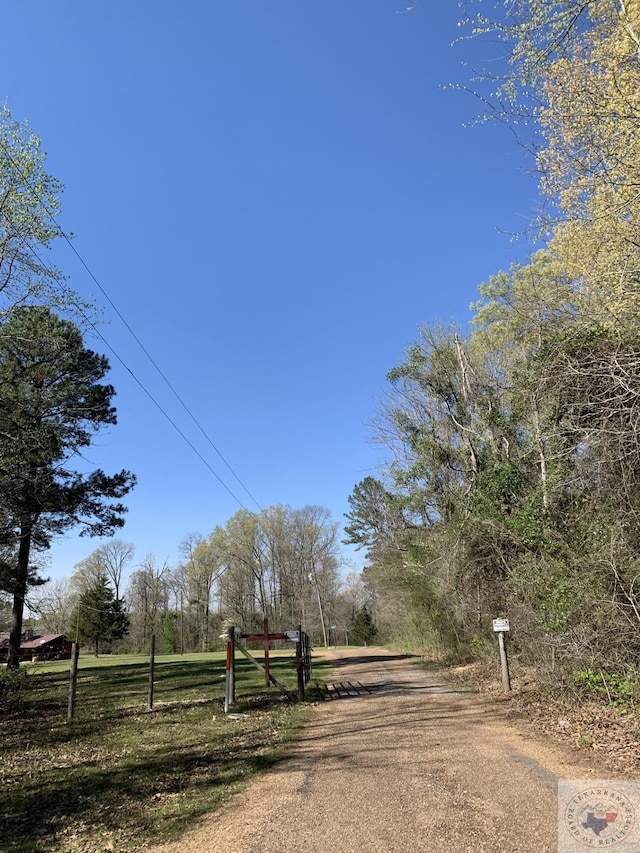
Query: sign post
(500, 627)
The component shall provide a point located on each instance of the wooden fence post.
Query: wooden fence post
(233, 668)
(307, 658)
(300, 663)
(266, 651)
(152, 668)
(229, 687)
(73, 680)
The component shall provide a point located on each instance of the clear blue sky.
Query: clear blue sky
(275, 195)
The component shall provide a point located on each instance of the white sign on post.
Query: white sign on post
(500, 627)
(292, 636)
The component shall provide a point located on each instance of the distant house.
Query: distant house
(35, 647)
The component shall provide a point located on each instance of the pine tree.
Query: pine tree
(52, 402)
(101, 615)
(363, 629)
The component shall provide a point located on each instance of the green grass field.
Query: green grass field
(120, 777)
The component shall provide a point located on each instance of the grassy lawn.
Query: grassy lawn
(120, 777)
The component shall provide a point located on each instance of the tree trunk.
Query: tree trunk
(19, 592)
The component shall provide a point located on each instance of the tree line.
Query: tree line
(512, 481)
(280, 564)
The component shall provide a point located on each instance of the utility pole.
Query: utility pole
(313, 577)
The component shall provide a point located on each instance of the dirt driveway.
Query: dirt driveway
(397, 760)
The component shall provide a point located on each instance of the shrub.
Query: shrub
(13, 685)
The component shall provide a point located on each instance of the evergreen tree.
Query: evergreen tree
(363, 629)
(101, 616)
(52, 401)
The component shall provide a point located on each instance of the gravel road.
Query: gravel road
(397, 760)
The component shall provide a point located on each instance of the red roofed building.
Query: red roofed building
(35, 647)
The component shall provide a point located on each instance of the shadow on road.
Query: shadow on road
(391, 675)
(356, 689)
(364, 659)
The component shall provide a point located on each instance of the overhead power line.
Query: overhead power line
(148, 355)
(155, 365)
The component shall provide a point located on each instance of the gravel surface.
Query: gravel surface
(396, 759)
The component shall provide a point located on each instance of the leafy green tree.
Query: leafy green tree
(5, 611)
(101, 616)
(573, 71)
(512, 484)
(52, 401)
(280, 564)
(29, 203)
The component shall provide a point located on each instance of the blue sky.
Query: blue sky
(275, 194)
